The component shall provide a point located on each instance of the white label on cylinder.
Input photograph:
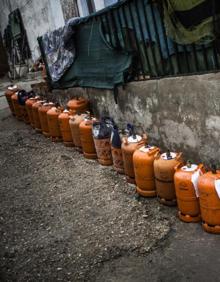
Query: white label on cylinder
(217, 187)
(164, 156)
(137, 138)
(12, 87)
(194, 179)
(146, 149)
(191, 168)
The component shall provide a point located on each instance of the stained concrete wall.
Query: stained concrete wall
(182, 114)
(39, 16)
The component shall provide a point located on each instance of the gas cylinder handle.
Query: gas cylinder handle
(125, 140)
(201, 167)
(179, 156)
(141, 143)
(178, 166)
(80, 100)
(72, 112)
(144, 136)
(157, 156)
(154, 151)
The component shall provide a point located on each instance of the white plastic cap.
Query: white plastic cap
(146, 149)
(172, 154)
(193, 167)
(137, 138)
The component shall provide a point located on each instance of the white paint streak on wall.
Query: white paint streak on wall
(178, 133)
(38, 17)
(213, 126)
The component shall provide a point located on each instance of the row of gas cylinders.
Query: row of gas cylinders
(165, 175)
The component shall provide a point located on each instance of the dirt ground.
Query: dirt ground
(65, 218)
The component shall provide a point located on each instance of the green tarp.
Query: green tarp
(97, 64)
(152, 52)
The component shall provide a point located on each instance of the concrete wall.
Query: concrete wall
(182, 114)
(39, 16)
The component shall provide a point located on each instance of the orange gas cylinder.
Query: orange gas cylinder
(74, 122)
(78, 105)
(35, 113)
(103, 150)
(53, 124)
(16, 106)
(28, 104)
(129, 145)
(24, 114)
(185, 179)
(101, 136)
(43, 118)
(116, 151)
(117, 160)
(8, 94)
(86, 137)
(143, 160)
(65, 128)
(209, 198)
(164, 169)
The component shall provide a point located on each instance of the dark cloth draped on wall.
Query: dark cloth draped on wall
(190, 21)
(15, 39)
(97, 64)
(176, 32)
(59, 49)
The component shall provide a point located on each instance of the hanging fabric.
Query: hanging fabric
(190, 21)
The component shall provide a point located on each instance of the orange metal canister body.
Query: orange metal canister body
(65, 128)
(36, 117)
(16, 106)
(53, 124)
(209, 185)
(164, 169)
(116, 151)
(87, 141)
(74, 122)
(43, 118)
(143, 160)
(24, 114)
(129, 145)
(187, 197)
(28, 104)
(8, 94)
(117, 160)
(78, 105)
(103, 150)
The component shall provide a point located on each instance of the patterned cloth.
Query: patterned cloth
(59, 49)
